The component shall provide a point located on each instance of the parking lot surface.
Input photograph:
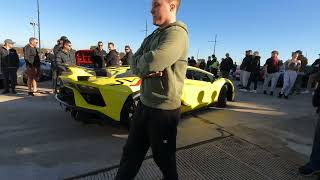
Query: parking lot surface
(38, 140)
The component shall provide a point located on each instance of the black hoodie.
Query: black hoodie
(112, 58)
(9, 59)
(254, 65)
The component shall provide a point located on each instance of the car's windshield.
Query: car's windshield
(197, 75)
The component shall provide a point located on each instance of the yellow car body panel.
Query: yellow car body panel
(115, 91)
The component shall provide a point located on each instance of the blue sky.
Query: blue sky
(263, 25)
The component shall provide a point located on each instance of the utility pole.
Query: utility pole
(215, 44)
(38, 7)
(198, 54)
(146, 29)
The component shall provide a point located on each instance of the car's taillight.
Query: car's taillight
(138, 83)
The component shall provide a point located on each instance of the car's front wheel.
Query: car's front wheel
(223, 98)
(129, 109)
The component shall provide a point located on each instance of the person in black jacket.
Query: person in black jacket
(254, 69)
(126, 59)
(192, 62)
(313, 166)
(226, 66)
(112, 58)
(31, 56)
(99, 56)
(58, 47)
(9, 65)
(245, 74)
(209, 63)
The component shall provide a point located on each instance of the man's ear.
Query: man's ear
(172, 7)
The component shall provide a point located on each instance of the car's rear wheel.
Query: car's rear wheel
(223, 98)
(129, 109)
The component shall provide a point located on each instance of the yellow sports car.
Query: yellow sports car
(113, 93)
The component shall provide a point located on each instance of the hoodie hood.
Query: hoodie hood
(176, 24)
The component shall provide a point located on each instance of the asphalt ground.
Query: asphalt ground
(38, 140)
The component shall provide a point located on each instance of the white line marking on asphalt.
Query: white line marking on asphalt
(121, 136)
(255, 111)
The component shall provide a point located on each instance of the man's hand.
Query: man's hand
(156, 74)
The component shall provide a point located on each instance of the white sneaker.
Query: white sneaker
(253, 91)
(244, 90)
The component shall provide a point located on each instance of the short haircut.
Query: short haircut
(275, 52)
(111, 43)
(127, 46)
(66, 42)
(32, 39)
(100, 42)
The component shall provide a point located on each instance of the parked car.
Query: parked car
(115, 97)
(45, 72)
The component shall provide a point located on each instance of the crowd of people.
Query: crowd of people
(250, 68)
(212, 65)
(293, 70)
(62, 54)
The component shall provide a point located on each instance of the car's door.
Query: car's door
(197, 89)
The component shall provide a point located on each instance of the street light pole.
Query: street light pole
(33, 24)
(38, 7)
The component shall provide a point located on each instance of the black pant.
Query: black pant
(214, 71)
(225, 74)
(254, 77)
(10, 77)
(315, 155)
(158, 129)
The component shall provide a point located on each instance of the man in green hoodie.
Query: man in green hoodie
(161, 62)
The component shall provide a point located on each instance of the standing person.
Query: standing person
(209, 63)
(99, 55)
(66, 56)
(272, 69)
(234, 67)
(162, 68)
(58, 47)
(202, 64)
(226, 66)
(127, 57)
(315, 77)
(254, 69)
(292, 66)
(32, 59)
(313, 166)
(244, 74)
(214, 66)
(192, 62)
(301, 72)
(9, 65)
(112, 58)
(49, 56)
